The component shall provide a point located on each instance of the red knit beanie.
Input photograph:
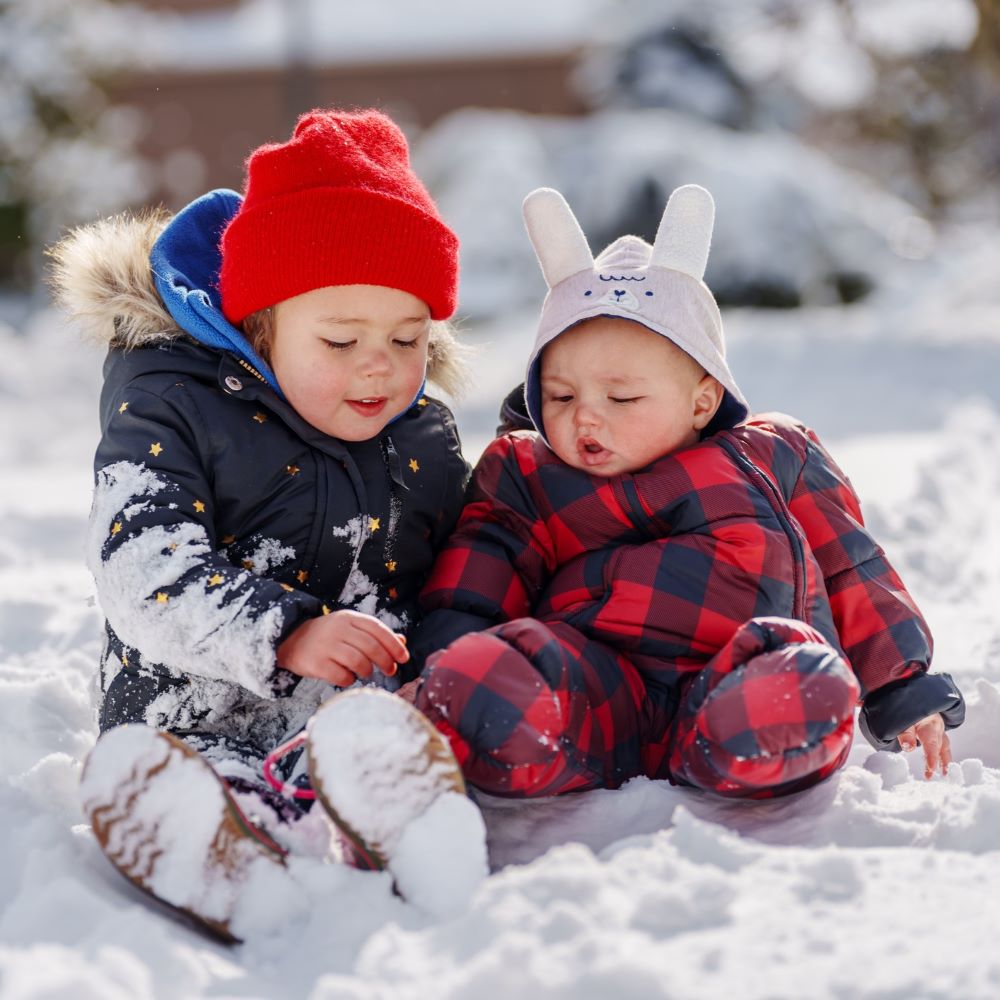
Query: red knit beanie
(338, 204)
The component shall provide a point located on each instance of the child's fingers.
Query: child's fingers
(930, 732)
(385, 637)
(351, 658)
(370, 651)
(339, 675)
(945, 753)
(323, 669)
(932, 752)
(907, 739)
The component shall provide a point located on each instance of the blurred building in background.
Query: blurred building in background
(831, 132)
(225, 76)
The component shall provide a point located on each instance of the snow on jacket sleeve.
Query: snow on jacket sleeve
(162, 584)
(499, 556)
(883, 633)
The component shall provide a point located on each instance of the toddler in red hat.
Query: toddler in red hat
(271, 486)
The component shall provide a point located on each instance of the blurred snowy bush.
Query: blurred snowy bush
(907, 89)
(792, 227)
(829, 132)
(65, 152)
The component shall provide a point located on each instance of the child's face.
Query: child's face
(349, 358)
(616, 396)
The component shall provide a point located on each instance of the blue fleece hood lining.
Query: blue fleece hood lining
(186, 261)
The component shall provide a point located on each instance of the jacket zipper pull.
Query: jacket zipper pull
(395, 464)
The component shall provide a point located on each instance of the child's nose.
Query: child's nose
(376, 363)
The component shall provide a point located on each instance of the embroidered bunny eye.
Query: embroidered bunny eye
(649, 294)
(588, 292)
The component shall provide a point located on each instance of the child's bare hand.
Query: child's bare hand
(930, 734)
(341, 647)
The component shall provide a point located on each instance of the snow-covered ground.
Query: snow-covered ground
(875, 884)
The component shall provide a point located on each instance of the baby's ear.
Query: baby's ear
(707, 400)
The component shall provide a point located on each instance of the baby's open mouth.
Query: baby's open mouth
(592, 452)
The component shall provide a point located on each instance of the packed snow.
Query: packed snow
(875, 883)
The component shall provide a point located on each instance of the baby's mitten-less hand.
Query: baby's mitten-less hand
(930, 734)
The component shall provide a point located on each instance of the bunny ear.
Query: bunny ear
(685, 232)
(555, 234)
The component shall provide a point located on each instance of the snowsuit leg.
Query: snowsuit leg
(534, 709)
(772, 713)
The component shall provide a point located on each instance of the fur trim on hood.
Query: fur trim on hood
(100, 276)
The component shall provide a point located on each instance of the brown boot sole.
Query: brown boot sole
(135, 785)
(417, 753)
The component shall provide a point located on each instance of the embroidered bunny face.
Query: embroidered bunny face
(622, 298)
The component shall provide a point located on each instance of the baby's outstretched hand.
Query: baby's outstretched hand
(930, 734)
(341, 647)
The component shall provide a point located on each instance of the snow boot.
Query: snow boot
(168, 823)
(390, 784)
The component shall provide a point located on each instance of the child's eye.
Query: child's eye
(560, 399)
(621, 399)
(408, 343)
(336, 345)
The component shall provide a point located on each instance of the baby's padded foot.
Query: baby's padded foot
(166, 821)
(388, 779)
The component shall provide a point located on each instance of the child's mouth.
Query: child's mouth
(591, 452)
(370, 406)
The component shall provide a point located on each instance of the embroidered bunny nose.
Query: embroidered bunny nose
(619, 292)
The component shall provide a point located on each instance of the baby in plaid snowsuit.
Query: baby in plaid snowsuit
(652, 582)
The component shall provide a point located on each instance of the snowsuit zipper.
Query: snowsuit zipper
(635, 510)
(778, 505)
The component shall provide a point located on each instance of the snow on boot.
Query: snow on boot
(167, 822)
(390, 783)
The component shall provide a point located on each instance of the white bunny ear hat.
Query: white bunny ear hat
(659, 286)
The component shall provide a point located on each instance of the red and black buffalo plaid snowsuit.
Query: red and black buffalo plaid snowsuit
(712, 619)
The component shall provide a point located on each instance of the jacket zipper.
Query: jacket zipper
(780, 509)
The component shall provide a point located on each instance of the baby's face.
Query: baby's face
(350, 358)
(616, 396)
